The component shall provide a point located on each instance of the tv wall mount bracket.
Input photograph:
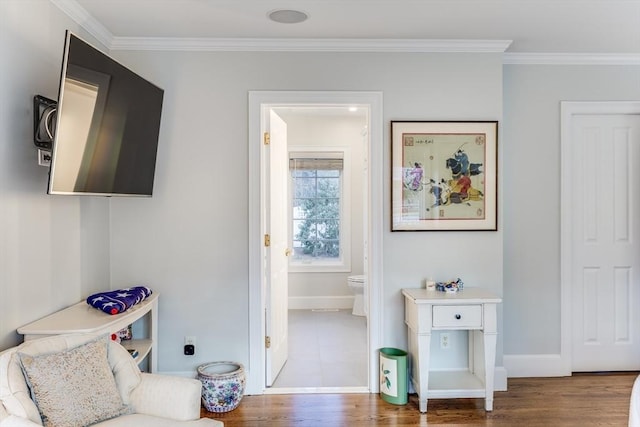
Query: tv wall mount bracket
(44, 119)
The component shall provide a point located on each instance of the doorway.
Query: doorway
(600, 236)
(262, 310)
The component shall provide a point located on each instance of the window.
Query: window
(317, 209)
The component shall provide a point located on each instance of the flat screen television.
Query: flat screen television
(106, 128)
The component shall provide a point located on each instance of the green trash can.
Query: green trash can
(393, 376)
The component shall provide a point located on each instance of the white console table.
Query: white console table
(83, 318)
(472, 309)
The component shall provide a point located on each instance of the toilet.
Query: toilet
(356, 284)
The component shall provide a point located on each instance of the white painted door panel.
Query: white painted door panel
(605, 237)
(277, 281)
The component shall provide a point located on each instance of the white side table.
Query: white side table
(472, 309)
(82, 318)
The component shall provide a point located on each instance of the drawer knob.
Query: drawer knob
(458, 317)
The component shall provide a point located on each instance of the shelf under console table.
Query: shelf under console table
(472, 309)
(82, 318)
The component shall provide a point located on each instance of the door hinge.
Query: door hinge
(266, 138)
(267, 240)
(267, 342)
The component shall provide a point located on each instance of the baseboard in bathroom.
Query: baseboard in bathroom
(321, 303)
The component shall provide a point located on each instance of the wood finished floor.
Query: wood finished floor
(580, 400)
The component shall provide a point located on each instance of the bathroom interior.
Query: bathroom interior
(327, 326)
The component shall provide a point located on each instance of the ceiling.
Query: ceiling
(521, 26)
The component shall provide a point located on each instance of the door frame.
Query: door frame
(374, 209)
(569, 109)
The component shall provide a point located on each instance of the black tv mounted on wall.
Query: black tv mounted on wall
(103, 130)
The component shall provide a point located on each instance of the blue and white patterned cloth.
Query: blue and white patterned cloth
(119, 301)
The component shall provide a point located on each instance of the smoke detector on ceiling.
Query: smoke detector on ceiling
(287, 16)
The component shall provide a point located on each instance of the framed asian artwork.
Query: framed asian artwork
(444, 175)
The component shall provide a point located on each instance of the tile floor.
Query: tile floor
(326, 349)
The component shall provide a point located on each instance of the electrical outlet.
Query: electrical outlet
(189, 345)
(445, 340)
(44, 157)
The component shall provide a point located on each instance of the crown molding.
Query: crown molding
(81, 17)
(372, 45)
(571, 59)
(308, 45)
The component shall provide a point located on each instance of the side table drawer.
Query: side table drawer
(457, 316)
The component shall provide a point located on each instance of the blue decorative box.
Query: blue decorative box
(452, 286)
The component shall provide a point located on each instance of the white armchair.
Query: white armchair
(148, 399)
(634, 404)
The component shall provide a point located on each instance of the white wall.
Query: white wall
(532, 191)
(190, 241)
(54, 251)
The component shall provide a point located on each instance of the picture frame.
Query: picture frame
(444, 175)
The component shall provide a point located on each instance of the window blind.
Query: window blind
(316, 161)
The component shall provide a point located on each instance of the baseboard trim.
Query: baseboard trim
(500, 379)
(321, 303)
(534, 365)
(500, 384)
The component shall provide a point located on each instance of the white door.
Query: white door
(605, 202)
(277, 251)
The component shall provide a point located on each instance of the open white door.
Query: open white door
(277, 251)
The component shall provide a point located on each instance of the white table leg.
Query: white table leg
(424, 354)
(489, 368)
